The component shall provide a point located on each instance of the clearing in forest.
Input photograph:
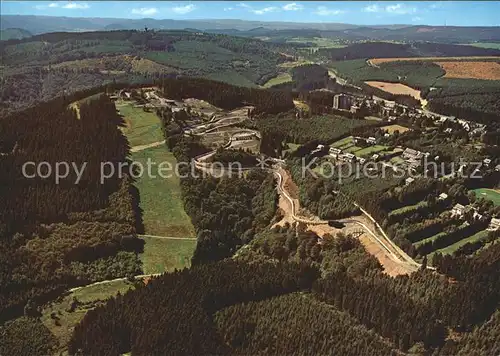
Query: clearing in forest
(165, 255)
(471, 70)
(160, 198)
(395, 88)
(393, 128)
(141, 127)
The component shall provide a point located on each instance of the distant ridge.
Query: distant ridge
(398, 32)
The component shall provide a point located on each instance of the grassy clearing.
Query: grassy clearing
(352, 149)
(301, 105)
(161, 202)
(371, 150)
(393, 128)
(407, 208)
(397, 160)
(490, 194)
(342, 142)
(163, 255)
(317, 42)
(279, 79)
(294, 64)
(291, 147)
(88, 298)
(141, 127)
(452, 248)
(493, 45)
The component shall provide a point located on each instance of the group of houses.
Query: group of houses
(461, 211)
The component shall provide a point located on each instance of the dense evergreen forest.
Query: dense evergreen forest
(394, 50)
(234, 305)
(54, 235)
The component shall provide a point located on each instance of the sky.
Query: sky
(458, 13)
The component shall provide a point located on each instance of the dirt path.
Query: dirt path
(169, 237)
(145, 147)
(376, 242)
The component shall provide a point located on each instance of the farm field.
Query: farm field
(377, 61)
(281, 78)
(471, 70)
(161, 202)
(166, 255)
(396, 88)
(393, 128)
(141, 127)
(491, 194)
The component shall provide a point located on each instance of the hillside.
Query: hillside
(14, 33)
(44, 66)
(275, 30)
(394, 50)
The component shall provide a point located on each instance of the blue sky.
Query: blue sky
(460, 13)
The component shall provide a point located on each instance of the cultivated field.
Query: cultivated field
(161, 201)
(393, 128)
(377, 61)
(166, 255)
(395, 88)
(471, 70)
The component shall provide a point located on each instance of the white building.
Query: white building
(458, 210)
(494, 224)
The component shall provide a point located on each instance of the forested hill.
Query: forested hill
(394, 50)
(44, 66)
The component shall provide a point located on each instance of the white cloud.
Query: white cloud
(437, 5)
(181, 10)
(400, 9)
(71, 5)
(265, 10)
(145, 11)
(228, 8)
(74, 5)
(258, 11)
(416, 19)
(324, 11)
(372, 8)
(44, 6)
(293, 7)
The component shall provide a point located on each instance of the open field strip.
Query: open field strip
(279, 79)
(165, 255)
(160, 198)
(407, 208)
(452, 248)
(141, 127)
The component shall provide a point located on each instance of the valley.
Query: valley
(266, 188)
